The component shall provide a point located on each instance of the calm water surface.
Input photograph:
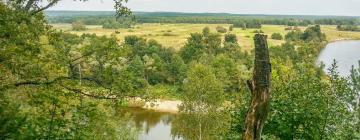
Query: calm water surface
(346, 53)
(153, 125)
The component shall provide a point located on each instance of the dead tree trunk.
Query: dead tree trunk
(259, 86)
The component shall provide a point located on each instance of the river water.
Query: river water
(159, 126)
(346, 53)
(152, 125)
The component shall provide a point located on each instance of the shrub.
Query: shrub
(230, 38)
(276, 36)
(78, 26)
(113, 24)
(168, 34)
(231, 27)
(221, 29)
(206, 31)
(288, 28)
(258, 31)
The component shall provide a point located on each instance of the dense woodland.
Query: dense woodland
(56, 85)
(242, 21)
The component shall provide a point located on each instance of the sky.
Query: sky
(280, 7)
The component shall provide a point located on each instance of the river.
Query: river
(346, 53)
(159, 126)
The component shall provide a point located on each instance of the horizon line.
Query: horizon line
(54, 10)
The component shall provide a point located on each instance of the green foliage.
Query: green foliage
(230, 38)
(314, 34)
(114, 24)
(56, 85)
(293, 36)
(194, 48)
(177, 69)
(305, 106)
(98, 17)
(347, 28)
(78, 26)
(203, 94)
(231, 27)
(311, 34)
(276, 36)
(221, 29)
(248, 24)
(206, 31)
(258, 31)
(202, 88)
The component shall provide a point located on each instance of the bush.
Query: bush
(348, 28)
(231, 27)
(113, 24)
(206, 31)
(231, 38)
(221, 29)
(276, 36)
(168, 34)
(258, 31)
(247, 24)
(288, 28)
(78, 26)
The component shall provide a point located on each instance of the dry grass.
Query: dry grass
(175, 35)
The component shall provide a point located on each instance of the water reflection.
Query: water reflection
(153, 125)
(167, 126)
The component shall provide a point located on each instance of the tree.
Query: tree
(259, 87)
(230, 38)
(203, 95)
(276, 36)
(221, 29)
(33, 7)
(293, 36)
(177, 69)
(194, 48)
(206, 31)
(78, 26)
(313, 33)
(231, 27)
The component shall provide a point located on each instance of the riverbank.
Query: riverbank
(158, 105)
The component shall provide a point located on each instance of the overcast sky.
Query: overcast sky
(283, 7)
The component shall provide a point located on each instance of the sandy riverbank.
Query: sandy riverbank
(160, 105)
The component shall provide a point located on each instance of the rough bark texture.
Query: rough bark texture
(260, 94)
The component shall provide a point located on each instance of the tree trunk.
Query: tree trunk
(259, 86)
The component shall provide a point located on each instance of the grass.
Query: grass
(175, 35)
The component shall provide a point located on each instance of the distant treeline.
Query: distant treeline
(249, 21)
(348, 27)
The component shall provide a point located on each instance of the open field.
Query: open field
(175, 35)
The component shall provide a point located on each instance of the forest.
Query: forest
(59, 85)
(99, 18)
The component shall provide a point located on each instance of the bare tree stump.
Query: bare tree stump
(260, 94)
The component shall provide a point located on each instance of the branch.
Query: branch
(52, 3)
(29, 4)
(40, 82)
(85, 55)
(88, 95)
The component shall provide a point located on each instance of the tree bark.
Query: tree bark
(260, 91)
